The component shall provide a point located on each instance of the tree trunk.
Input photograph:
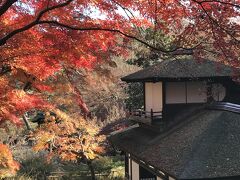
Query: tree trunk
(26, 122)
(90, 166)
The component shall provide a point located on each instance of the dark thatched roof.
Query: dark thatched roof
(206, 145)
(182, 69)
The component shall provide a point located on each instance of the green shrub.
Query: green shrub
(36, 168)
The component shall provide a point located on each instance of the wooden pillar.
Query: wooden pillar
(209, 92)
(163, 99)
(144, 98)
(151, 115)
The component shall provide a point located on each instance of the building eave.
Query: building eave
(187, 68)
(167, 79)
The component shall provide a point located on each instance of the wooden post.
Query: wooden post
(209, 92)
(151, 115)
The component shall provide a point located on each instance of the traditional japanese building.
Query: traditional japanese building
(189, 127)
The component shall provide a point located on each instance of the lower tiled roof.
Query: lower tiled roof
(206, 145)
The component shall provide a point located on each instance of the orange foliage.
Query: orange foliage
(70, 138)
(8, 166)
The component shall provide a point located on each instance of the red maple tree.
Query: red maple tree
(40, 38)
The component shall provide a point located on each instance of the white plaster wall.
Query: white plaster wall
(186, 92)
(196, 92)
(148, 96)
(180, 92)
(175, 92)
(157, 96)
(135, 171)
(153, 96)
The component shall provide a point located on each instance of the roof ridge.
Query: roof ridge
(185, 68)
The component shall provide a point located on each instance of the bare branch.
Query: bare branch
(177, 50)
(26, 122)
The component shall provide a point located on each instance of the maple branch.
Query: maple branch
(3, 40)
(6, 6)
(52, 8)
(126, 11)
(218, 1)
(214, 21)
(175, 51)
(77, 93)
(219, 46)
(33, 23)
